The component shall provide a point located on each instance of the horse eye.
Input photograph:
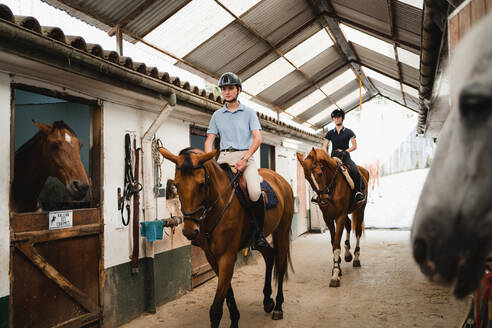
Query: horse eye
(475, 101)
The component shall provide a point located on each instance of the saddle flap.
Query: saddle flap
(345, 173)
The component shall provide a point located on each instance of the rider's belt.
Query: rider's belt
(230, 150)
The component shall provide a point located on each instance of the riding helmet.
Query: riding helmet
(230, 79)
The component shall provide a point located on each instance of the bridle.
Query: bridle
(204, 205)
(328, 188)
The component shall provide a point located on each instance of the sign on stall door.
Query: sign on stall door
(60, 219)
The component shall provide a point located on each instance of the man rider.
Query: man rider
(240, 137)
(340, 137)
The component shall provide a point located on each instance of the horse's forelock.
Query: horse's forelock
(61, 125)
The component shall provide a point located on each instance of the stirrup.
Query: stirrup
(260, 242)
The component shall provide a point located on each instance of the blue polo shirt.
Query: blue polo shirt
(235, 127)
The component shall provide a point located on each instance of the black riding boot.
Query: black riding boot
(259, 214)
(359, 196)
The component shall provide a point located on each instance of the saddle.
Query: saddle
(345, 173)
(269, 196)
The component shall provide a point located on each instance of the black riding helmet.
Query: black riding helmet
(338, 113)
(230, 79)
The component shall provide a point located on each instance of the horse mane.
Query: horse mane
(321, 154)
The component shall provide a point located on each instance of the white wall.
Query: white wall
(4, 183)
(119, 120)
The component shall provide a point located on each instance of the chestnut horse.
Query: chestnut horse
(335, 201)
(53, 151)
(216, 221)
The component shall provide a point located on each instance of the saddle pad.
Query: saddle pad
(271, 198)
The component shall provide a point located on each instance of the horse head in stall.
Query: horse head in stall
(452, 228)
(335, 201)
(53, 151)
(215, 220)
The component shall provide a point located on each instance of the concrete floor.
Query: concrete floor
(387, 291)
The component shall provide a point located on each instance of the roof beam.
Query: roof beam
(274, 48)
(335, 32)
(397, 60)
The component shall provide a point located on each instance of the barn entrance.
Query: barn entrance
(56, 265)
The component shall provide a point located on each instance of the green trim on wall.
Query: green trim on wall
(293, 226)
(4, 312)
(161, 279)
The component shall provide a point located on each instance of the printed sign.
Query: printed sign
(60, 219)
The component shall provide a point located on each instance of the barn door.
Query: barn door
(56, 262)
(55, 274)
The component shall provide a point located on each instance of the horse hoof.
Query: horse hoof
(334, 283)
(356, 264)
(268, 306)
(277, 315)
(348, 258)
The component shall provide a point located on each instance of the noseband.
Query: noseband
(328, 189)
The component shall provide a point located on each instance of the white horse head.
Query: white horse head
(452, 229)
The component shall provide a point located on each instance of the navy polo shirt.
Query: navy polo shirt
(340, 140)
(235, 128)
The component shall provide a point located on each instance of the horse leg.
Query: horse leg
(358, 217)
(337, 271)
(331, 227)
(225, 270)
(233, 310)
(281, 258)
(348, 255)
(230, 300)
(268, 302)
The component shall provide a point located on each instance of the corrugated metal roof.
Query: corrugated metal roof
(316, 109)
(373, 14)
(274, 19)
(324, 64)
(410, 75)
(284, 87)
(270, 29)
(232, 43)
(376, 61)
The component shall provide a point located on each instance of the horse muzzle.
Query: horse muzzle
(191, 235)
(78, 189)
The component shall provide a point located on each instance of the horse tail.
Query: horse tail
(281, 256)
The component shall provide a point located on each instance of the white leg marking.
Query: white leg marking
(357, 254)
(336, 270)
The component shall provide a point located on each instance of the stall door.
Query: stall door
(55, 274)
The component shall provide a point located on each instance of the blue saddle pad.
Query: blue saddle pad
(265, 186)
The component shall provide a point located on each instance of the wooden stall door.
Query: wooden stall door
(56, 274)
(201, 271)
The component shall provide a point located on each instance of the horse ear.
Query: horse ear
(168, 155)
(300, 158)
(205, 157)
(45, 128)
